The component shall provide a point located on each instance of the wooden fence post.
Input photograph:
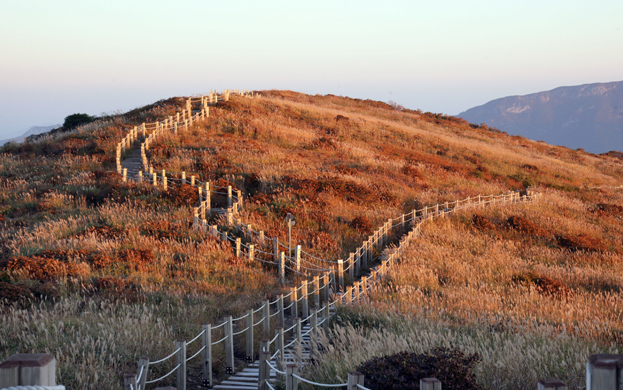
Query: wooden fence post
(280, 342)
(276, 249)
(349, 295)
(316, 292)
(354, 379)
(181, 361)
(351, 267)
(327, 313)
(364, 284)
(238, 243)
(298, 331)
(29, 369)
(430, 384)
(183, 177)
(281, 316)
(230, 199)
(340, 272)
(251, 253)
(208, 199)
(354, 261)
(229, 346)
(291, 382)
(603, 372)
(356, 292)
(325, 286)
(305, 300)
(264, 370)
(206, 340)
(129, 382)
(282, 267)
(143, 368)
(164, 179)
(294, 309)
(297, 256)
(249, 334)
(266, 321)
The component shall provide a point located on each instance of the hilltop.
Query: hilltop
(74, 232)
(588, 116)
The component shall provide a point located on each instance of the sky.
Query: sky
(63, 57)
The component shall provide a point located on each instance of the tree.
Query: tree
(75, 120)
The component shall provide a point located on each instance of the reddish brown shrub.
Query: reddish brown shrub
(109, 283)
(530, 168)
(260, 198)
(344, 170)
(544, 285)
(101, 230)
(342, 118)
(13, 292)
(524, 225)
(362, 224)
(482, 222)
(581, 242)
(252, 183)
(183, 195)
(42, 268)
(325, 143)
(137, 259)
(101, 260)
(412, 172)
(612, 209)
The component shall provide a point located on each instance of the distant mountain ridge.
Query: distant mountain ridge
(588, 116)
(32, 131)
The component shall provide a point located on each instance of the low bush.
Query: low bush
(581, 241)
(405, 369)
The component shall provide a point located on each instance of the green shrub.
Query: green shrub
(75, 120)
(405, 369)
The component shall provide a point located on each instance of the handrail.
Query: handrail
(166, 358)
(303, 260)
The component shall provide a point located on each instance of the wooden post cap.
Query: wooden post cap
(603, 372)
(551, 384)
(28, 369)
(28, 360)
(603, 360)
(430, 384)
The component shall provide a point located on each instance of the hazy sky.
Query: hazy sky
(62, 57)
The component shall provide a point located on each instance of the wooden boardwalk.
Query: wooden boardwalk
(249, 378)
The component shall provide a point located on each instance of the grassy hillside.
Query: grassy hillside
(74, 236)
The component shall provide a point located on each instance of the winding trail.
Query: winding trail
(365, 271)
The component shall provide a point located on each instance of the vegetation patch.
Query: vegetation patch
(526, 226)
(362, 224)
(581, 242)
(404, 370)
(543, 284)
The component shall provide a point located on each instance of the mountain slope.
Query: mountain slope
(587, 116)
(71, 229)
(32, 131)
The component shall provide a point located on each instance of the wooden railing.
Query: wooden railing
(312, 301)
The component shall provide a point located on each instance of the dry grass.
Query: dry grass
(499, 282)
(73, 232)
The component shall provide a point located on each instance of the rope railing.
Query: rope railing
(164, 376)
(196, 354)
(303, 263)
(220, 341)
(164, 359)
(319, 384)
